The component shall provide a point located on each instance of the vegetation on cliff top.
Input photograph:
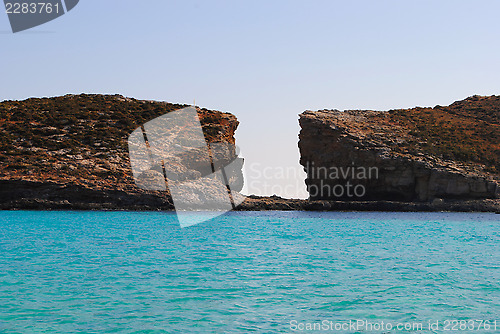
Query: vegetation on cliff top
(83, 137)
(465, 131)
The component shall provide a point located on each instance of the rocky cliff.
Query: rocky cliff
(71, 152)
(418, 154)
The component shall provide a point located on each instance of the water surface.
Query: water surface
(124, 272)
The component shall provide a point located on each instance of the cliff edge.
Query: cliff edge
(410, 155)
(71, 152)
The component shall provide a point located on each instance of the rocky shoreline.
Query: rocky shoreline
(72, 153)
(28, 195)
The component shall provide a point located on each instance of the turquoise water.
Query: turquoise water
(122, 272)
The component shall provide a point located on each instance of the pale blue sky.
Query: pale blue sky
(264, 61)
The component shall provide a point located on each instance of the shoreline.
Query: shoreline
(49, 196)
(265, 204)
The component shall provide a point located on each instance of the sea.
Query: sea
(249, 272)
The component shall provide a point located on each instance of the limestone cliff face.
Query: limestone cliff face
(419, 154)
(71, 151)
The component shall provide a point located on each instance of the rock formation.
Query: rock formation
(71, 152)
(419, 154)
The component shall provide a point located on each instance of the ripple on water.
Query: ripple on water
(137, 272)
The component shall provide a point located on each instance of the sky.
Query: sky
(263, 61)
